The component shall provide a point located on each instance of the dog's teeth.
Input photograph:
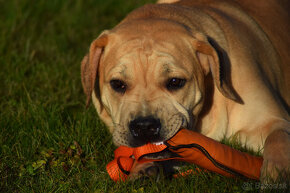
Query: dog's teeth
(158, 143)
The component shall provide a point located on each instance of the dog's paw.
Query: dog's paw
(275, 171)
(144, 170)
(276, 164)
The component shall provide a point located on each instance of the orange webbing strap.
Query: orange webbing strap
(214, 156)
(120, 167)
(123, 162)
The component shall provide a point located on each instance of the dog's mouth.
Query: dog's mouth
(139, 143)
(158, 143)
(165, 154)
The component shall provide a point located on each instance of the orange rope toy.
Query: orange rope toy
(194, 148)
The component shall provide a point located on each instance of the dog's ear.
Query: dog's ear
(89, 65)
(209, 60)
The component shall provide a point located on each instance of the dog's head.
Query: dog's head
(147, 82)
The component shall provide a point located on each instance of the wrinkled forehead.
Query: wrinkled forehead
(145, 55)
(161, 49)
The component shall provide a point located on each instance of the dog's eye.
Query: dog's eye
(118, 86)
(175, 83)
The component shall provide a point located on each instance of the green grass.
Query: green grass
(49, 142)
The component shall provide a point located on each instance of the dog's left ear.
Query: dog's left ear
(209, 60)
(90, 64)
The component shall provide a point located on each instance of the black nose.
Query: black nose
(145, 129)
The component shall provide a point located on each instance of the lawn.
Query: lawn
(49, 141)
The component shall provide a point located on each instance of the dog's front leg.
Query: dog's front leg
(276, 165)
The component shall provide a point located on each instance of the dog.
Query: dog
(217, 67)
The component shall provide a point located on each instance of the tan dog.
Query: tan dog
(218, 67)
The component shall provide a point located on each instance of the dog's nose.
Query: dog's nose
(145, 128)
